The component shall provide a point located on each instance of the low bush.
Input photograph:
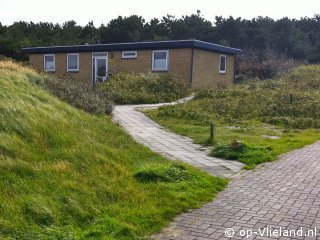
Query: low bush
(80, 95)
(252, 64)
(135, 88)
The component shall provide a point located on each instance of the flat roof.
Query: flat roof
(134, 46)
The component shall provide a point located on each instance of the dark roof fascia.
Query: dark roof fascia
(216, 48)
(134, 46)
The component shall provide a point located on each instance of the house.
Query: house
(198, 63)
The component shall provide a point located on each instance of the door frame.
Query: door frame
(104, 55)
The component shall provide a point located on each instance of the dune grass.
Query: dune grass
(66, 174)
(137, 88)
(281, 114)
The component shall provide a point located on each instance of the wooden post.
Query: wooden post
(211, 132)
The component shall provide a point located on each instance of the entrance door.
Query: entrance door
(100, 68)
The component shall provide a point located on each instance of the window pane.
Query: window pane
(160, 55)
(100, 54)
(72, 62)
(160, 64)
(160, 60)
(222, 64)
(49, 62)
(101, 67)
(129, 54)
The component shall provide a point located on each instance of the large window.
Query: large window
(49, 62)
(72, 62)
(129, 54)
(160, 60)
(223, 64)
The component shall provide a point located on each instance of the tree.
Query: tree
(192, 27)
(127, 29)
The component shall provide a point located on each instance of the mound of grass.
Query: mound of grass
(135, 88)
(243, 152)
(286, 108)
(67, 174)
(162, 173)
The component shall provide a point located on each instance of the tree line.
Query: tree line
(297, 39)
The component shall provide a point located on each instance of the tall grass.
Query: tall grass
(287, 108)
(291, 101)
(66, 174)
(135, 88)
(80, 95)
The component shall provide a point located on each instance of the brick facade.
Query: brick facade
(85, 66)
(205, 69)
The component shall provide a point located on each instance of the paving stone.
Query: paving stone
(283, 194)
(169, 144)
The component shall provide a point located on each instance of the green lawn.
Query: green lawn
(66, 174)
(249, 112)
(252, 133)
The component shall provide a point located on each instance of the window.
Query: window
(49, 62)
(72, 62)
(160, 60)
(129, 54)
(223, 64)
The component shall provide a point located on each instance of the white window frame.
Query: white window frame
(167, 62)
(123, 56)
(54, 62)
(225, 64)
(78, 63)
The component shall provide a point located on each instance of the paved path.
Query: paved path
(171, 145)
(285, 193)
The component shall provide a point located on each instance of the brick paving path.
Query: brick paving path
(285, 193)
(171, 145)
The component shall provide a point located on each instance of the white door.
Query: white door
(100, 69)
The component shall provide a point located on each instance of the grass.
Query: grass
(251, 113)
(136, 88)
(67, 174)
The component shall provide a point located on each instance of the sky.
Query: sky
(102, 11)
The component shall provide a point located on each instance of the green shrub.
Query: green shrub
(80, 95)
(162, 173)
(242, 151)
(133, 88)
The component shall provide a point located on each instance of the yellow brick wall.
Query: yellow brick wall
(85, 66)
(179, 63)
(205, 71)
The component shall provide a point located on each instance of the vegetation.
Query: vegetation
(281, 114)
(293, 38)
(133, 88)
(80, 95)
(66, 174)
(242, 151)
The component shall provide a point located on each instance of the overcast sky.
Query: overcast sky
(102, 11)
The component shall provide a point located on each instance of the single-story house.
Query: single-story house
(198, 63)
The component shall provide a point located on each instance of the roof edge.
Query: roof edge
(170, 44)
